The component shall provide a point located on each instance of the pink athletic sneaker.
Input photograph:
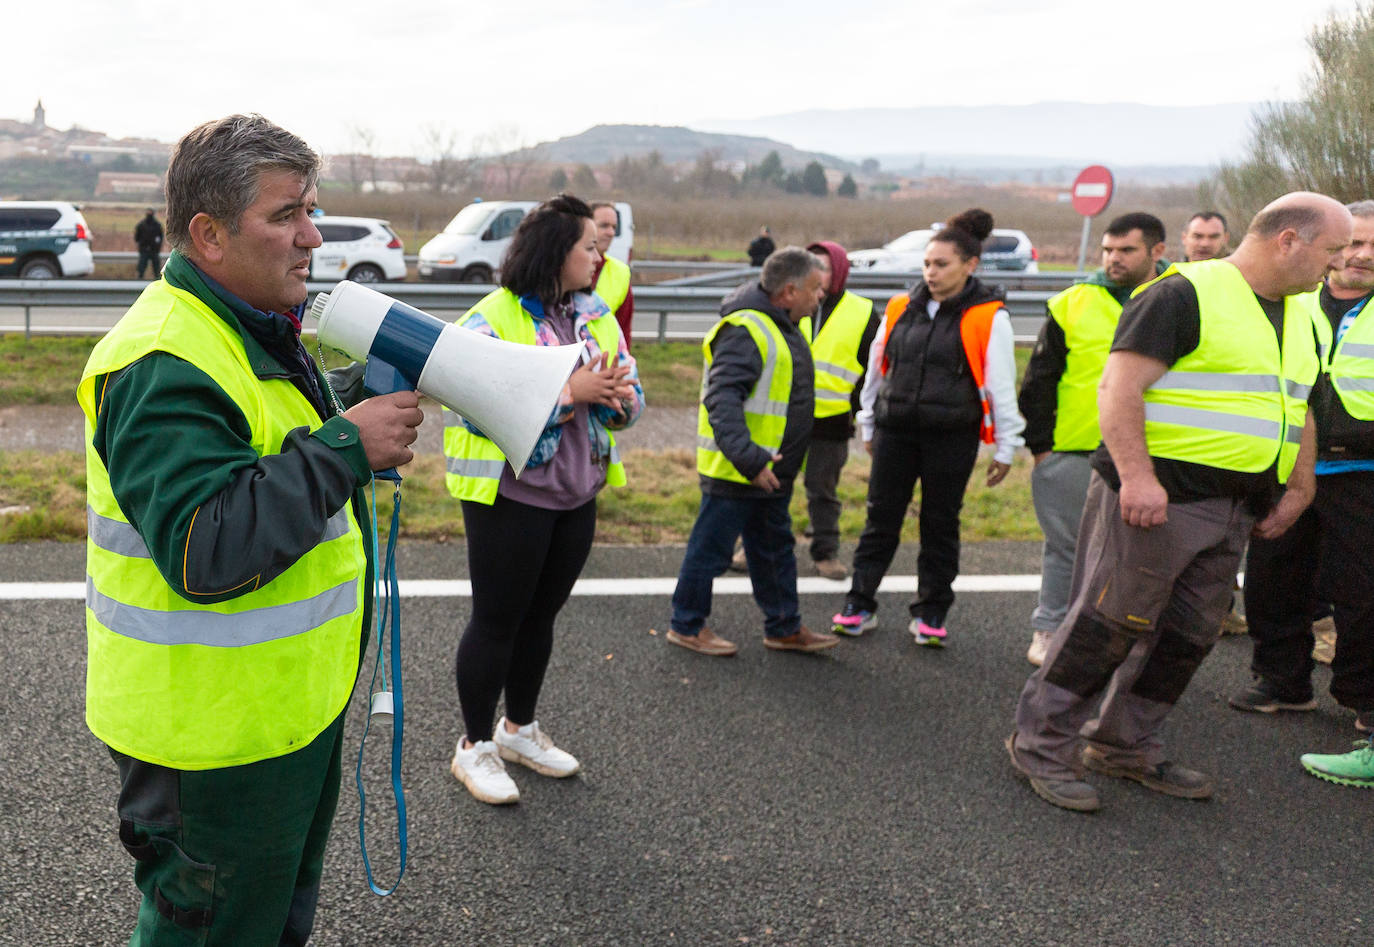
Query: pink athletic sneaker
(927, 635)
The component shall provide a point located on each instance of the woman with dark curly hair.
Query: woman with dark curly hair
(529, 538)
(945, 380)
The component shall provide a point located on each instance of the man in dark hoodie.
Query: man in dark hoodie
(840, 336)
(753, 428)
(1059, 402)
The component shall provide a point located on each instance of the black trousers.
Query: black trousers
(149, 258)
(523, 561)
(942, 462)
(1322, 558)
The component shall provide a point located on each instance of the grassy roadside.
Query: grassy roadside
(658, 506)
(44, 370)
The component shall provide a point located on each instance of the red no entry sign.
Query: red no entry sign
(1092, 190)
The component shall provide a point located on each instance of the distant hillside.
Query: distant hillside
(1074, 133)
(602, 144)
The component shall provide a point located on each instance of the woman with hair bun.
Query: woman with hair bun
(946, 380)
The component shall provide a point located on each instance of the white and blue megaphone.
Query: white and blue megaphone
(507, 390)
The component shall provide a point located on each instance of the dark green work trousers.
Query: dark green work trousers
(233, 855)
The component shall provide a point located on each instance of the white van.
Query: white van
(471, 247)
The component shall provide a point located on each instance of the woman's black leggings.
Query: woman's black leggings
(523, 561)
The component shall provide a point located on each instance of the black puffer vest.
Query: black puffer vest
(929, 383)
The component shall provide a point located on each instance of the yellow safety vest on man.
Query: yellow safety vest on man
(1239, 400)
(765, 410)
(835, 350)
(201, 686)
(613, 285)
(474, 462)
(1087, 313)
(1351, 362)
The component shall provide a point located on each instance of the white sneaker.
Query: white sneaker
(530, 746)
(1040, 644)
(480, 769)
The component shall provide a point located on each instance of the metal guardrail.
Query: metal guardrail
(665, 300)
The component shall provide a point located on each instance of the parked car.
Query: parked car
(362, 249)
(44, 240)
(471, 247)
(1002, 250)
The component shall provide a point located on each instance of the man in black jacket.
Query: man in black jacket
(760, 247)
(148, 237)
(753, 428)
(1323, 557)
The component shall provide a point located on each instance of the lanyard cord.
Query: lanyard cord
(387, 602)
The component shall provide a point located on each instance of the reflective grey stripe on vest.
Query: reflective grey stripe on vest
(474, 467)
(1296, 389)
(122, 539)
(337, 525)
(839, 371)
(1354, 384)
(115, 536)
(615, 454)
(1294, 435)
(1216, 381)
(707, 443)
(1211, 420)
(219, 630)
(1358, 349)
(760, 403)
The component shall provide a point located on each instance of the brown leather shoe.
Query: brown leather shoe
(804, 639)
(705, 641)
(832, 569)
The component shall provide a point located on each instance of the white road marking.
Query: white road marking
(725, 585)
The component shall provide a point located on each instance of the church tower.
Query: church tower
(39, 122)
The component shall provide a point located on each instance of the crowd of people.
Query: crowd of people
(1173, 412)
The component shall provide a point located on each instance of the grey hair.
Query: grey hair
(1307, 219)
(215, 169)
(788, 265)
(1361, 209)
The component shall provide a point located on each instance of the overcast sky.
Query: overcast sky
(531, 70)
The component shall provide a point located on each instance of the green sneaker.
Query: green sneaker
(1355, 768)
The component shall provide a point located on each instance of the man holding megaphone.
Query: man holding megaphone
(228, 572)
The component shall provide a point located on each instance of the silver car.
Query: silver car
(1006, 250)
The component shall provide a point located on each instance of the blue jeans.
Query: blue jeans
(766, 525)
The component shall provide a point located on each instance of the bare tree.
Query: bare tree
(362, 157)
(1325, 141)
(448, 170)
(506, 146)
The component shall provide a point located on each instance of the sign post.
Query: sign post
(1092, 192)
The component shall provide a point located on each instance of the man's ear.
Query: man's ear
(208, 237)
(1157, 251)
(1288, 239)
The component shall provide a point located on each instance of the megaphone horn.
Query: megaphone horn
(507, 390)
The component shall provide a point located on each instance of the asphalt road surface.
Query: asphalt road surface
(861, 796)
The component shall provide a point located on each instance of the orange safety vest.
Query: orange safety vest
(975, 328)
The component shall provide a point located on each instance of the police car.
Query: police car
(43, 240)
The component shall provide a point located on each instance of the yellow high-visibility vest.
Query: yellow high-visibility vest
(200, 686)
(613, 285)
(765, 410)
(1088, 314)
(835, 350)
(1239, 400)
(474, 463)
